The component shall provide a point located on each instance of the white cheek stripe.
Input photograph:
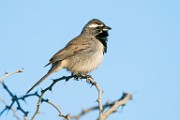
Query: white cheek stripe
(94, 25)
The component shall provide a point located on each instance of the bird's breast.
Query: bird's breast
(87, 60)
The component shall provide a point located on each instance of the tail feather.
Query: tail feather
(41, 80)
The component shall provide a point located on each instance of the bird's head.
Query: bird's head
(99, 30)
(95, 27)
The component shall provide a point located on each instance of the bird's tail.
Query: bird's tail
(41, 80)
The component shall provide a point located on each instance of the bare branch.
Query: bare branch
(8, 74)
(111, 105)
(99, 100)
(67, 78)
(67, 117)
(15, 100)
(12, 109)
(50, 89)
(121, 102)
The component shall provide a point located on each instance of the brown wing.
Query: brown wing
(77, 44)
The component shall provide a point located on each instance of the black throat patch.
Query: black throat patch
(103, 38)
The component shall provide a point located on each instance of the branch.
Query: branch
(50, 89)
(123, 100)
(12, 109)
(111, 107)
(102, 116)
(15, 100)
(99, 100)
(8, 74)
(67, 78)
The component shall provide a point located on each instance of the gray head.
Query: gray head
(99, 30)
(95, 27)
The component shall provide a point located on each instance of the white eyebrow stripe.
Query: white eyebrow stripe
(94, 25)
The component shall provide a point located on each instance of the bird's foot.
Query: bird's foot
(89, 78)
(77, 76)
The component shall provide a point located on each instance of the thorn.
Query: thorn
(42, 90)
(19, 71)
(102, 111)
(91, 85)
(26, 113)
(36, 93)
(54, 80)
(18, 108)
(122, 108)
(50, 89)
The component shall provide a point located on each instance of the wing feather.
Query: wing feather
(77, 44)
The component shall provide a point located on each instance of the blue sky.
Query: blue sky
(142, 59)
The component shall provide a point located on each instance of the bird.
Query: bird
(82, 54)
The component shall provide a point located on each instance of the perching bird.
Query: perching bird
(83, 53)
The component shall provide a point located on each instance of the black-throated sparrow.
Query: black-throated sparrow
(83, 53)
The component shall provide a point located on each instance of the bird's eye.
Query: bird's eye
(98, 27)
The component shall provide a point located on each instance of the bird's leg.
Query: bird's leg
(77, 76)
(89, 78)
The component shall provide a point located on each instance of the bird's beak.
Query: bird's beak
(106, 28)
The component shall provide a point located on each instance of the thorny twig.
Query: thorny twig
(113, 106)
(50, 89)
(67, 78)
(102, 116)
(99, 100)
(121, 102)
(14, 98)
(8, 74)
(13, 109)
